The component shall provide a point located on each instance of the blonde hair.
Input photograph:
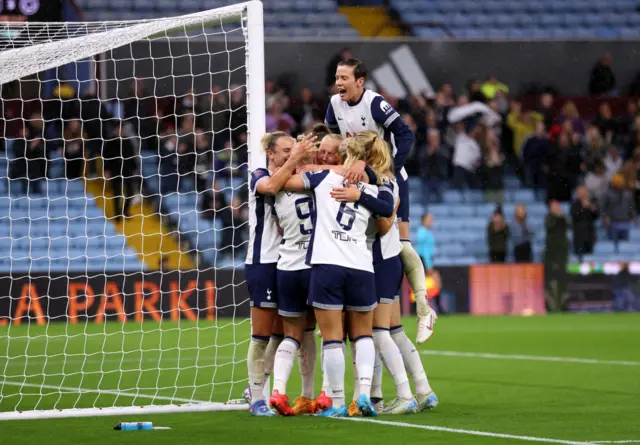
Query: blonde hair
(351, 150)
(334, 137)
(270, 139)
(377, 154)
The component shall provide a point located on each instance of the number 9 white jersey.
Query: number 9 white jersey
(294, 212)
(339, 229)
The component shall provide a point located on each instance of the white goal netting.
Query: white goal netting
(123, 209)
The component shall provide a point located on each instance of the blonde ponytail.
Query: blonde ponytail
(376, 154)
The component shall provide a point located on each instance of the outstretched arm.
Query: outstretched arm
(382, 205)
(385, 224)
(385, 115)
(271, 185)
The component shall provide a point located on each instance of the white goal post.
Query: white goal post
(183, 349)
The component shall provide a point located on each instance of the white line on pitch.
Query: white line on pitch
(538, 358)
(99, 391)
(617, 441)
(468, 432)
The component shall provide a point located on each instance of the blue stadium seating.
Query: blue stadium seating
(461, 226)
(59, 230)
(283, 18)
(523, 19)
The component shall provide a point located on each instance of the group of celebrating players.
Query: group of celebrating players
(329, 245)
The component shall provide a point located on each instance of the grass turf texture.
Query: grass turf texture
(559, 400)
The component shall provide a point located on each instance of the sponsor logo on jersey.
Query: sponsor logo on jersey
(385, 107)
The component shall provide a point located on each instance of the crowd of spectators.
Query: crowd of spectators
(203, 132)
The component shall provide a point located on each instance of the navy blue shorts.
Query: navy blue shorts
(293, 292)
(389, 274)
(263, 285)
(338, 288)
(403, 207)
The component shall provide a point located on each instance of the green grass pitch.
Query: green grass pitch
(525, 387)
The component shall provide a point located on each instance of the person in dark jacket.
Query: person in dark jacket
(534, 152)
(120, 166)
(584, 214)
(602, 80)
(433, 168)
(562, 164)
(498, 238)
(556, 257)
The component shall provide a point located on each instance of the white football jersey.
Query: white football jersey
(264, 239)
(372, 112)
(340, 229)
(294, 211)
(389, 245)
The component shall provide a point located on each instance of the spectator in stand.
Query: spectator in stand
(475, 94)
(426, 242)
(28, 164)
(594, 147)
(605, 122)
(228, 162)
(556, 257)
(234, 226)
(498, 237)
(120, 165)
(602, 81)
(492, 86)
(534, 152)
(279, 120)
(597, 183)
(73, 150)
(491, 172)
(522, 124)
(521, 236)
(546, 110)
(612, 162)
(562, 167)
(433, 168)
(584, 214)
(633, 138)
(626, 123)
(212, 202)
(570, 113)
(306, 110)
(619, 210)
(238, 115)
(330, 78)
(204, 160)
(169, 165)
(466, 156)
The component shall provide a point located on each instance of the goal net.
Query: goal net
(123, 212)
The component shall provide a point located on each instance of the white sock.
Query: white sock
(365, 360)
(412, 360)
(325, 378)
(334, 368)
(414, 269)
(392, 359)
(285, 356)
(255, 365)
(307, 363)
(376, 382)
(354, 368)
(269, 358)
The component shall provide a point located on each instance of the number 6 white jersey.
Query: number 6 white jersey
(339, 229)
(294, 212)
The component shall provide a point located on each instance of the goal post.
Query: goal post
(114, 330)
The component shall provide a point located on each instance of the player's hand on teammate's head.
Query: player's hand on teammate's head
(355, 172)
(350, 193)
(304, 146)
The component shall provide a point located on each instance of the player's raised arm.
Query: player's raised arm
(386, 116)
(280, 147)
